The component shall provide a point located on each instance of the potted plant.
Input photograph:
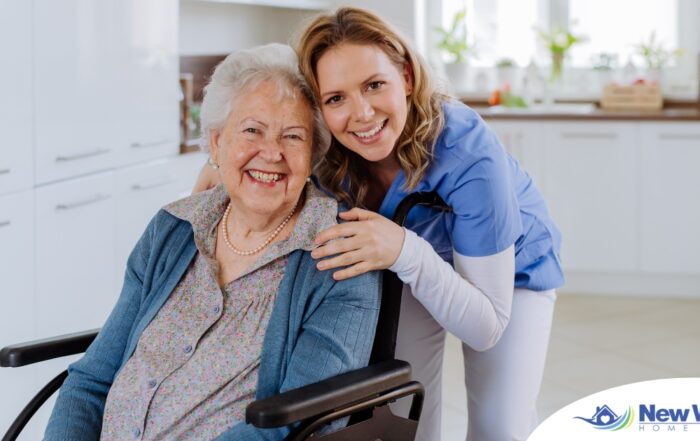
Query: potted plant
(655, 56)
(453, 43)
(559, 41)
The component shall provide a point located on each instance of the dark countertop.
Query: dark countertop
(670, 114)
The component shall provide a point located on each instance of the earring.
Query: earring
(212, 164)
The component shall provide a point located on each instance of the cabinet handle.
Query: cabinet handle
(92, 200)
(5, 171)
(142, 145)
(5, 223)
(82, 155)
(679, 136)
(139, 187)
(583, 135)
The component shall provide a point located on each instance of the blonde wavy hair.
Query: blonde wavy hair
(342, 171)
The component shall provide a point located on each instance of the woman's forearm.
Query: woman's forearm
(471, 300)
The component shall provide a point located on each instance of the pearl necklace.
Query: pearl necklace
(272, 235)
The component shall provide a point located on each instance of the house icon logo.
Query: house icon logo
(605, 419)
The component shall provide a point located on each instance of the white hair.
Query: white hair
(242, 71)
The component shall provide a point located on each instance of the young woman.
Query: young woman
(485, 272)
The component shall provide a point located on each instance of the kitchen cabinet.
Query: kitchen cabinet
(16, 267)
(574, 165)
(92, 90)
(106, 85)
(591, 179)
(76, 83)
(140, 192)
(670, 207)
(623, 194)
(16, 295)
(75, 243)
(16, 153)
(149, 77)
(525, 143)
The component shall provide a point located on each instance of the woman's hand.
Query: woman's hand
(366, 242)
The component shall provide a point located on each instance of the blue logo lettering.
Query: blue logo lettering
(650, 414)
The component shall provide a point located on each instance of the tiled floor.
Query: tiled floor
(599, 342)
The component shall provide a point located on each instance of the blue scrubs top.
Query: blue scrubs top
(495, 203)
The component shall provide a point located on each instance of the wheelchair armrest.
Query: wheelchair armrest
(35, 351)
(327, 395)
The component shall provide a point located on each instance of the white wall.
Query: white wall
(219, 28)
(401, 14)
(214, 28)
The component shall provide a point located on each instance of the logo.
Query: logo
(605, 419)
(661, 410)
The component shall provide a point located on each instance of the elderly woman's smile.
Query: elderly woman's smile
(264, 150)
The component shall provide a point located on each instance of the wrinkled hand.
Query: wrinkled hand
(366, 242)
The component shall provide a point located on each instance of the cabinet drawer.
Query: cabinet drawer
(77, 87)
(140, 192)
(591, 182)
(75, 254)
(669, 195)
(149, 118)
(524, 142)
(139, 149)
(16, 153)
(16, 267)
(16, 171)
(16, 297)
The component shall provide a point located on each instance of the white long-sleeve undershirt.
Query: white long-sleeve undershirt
(472, 300)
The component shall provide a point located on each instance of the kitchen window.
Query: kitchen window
(499, 29)
(506, 28)
(616, 27)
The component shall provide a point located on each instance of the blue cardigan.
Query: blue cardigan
(318, 328)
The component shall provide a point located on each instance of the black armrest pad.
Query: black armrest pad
(317, 398)
(35, 351)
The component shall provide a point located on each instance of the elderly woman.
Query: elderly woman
(222, 303)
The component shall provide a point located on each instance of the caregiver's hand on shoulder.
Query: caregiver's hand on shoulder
(366, 242)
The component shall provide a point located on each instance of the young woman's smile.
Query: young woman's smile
(363, 98)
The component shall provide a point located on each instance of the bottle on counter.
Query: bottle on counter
(533, 83)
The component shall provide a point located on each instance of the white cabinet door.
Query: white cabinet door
(16, 267)
(149, 110)
(591, 185)
(16, 297)
(77, 85)
(141, 191)
(670, 197)
(187, 168)
(16, 153)
(75, 227)
(525, 142)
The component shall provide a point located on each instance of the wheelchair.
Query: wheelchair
(362, 395)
